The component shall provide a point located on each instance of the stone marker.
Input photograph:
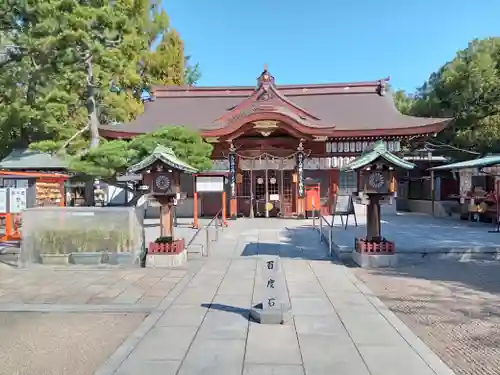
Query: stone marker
(274, 308)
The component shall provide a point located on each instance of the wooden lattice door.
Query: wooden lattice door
(287, 193)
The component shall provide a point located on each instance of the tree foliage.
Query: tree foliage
(467, 89)
(113, 157)
(78, 64)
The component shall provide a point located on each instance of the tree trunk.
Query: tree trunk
(93, 122)
(92, 107)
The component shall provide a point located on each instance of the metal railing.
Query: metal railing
(322, 221)
(213, 223)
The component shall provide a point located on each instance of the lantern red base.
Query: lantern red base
(176, 247)
(362, 245)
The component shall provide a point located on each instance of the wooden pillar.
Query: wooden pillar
(195, 204)
(233, 208)
(433, 193)
(62, 191)
(166, 217)
(195, 210)
(334, 175)
(9, 226)
(224, 208)
(166, 221)
(373, 219)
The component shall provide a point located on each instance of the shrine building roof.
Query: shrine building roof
(165, 155)
(376, 152)
(331, 109)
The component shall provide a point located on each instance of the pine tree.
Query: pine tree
(78, 64)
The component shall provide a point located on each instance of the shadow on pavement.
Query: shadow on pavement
(226, 308)
(295, 243)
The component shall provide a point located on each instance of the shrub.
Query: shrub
(66, 241)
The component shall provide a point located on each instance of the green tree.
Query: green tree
(192, 73)
(404, 102)
(77, 65)
(115, 156)
(468, 89)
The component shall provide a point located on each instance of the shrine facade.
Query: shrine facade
(272, 139)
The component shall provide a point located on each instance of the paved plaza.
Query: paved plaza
(202, 327)
(407, 229)
(196, 317)
(454, 306)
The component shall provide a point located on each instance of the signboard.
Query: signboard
(3, 201)
(209, 184)
(129, 177)
(17, 200)
(344, 206)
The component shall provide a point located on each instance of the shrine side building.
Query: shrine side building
(258, 132)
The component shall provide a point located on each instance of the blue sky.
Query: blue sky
(328, 40)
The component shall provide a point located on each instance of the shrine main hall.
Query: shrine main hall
(271, 139)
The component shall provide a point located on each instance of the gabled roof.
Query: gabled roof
(483, 162)
(340, 109)
(165, 155)
(33, 160)
(377, 151)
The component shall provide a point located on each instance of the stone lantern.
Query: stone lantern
(161, 172)
(376, 169)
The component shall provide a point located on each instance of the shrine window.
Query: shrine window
(348, 183)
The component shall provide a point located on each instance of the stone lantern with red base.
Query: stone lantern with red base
(376, 181)
(161, 173)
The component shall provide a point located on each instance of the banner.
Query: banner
(232, 173)
(300, 174)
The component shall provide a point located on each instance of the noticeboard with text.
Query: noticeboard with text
(343, 205)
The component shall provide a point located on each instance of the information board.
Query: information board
(3, 201)
(17, 200)
(214, 184)
(344, 206)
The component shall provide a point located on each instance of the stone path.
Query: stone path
(453, 306)
(339, 326)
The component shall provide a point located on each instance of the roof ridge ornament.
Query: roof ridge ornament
(265, 78)
(382, 86)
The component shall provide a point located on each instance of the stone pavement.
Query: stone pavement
(339, 326)
(79, 288)
(454, 306)
(416, 233)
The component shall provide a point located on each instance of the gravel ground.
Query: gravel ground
(58, 343)
(454, 307)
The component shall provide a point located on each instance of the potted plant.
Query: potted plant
(118, 247)
(84, 246)
(52, 250)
